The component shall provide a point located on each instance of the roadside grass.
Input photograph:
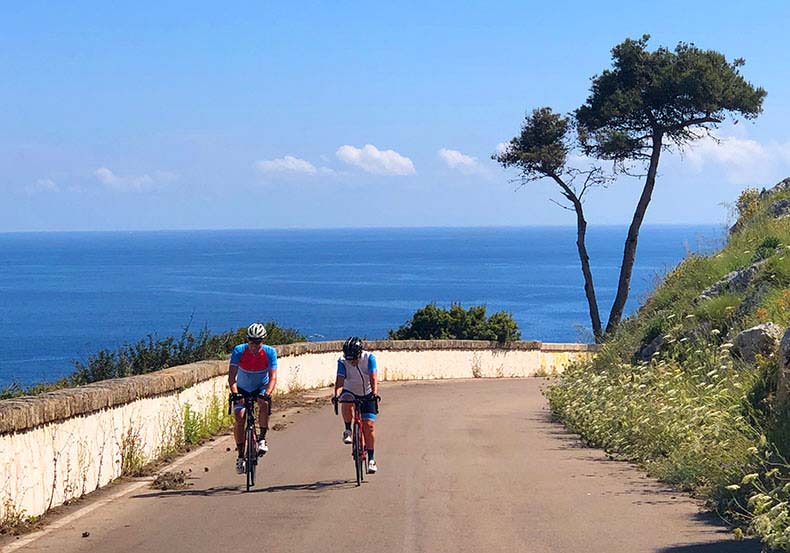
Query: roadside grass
(693, 414)
(15, 522)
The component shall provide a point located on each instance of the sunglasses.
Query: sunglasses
(254, 340)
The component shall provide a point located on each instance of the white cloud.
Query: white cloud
(287, 164)
(743, 160)
(371, 159)
(461, 162)
(502, 147)
(43, 185)
(119, 182)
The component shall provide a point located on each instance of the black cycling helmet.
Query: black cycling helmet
(352, 348)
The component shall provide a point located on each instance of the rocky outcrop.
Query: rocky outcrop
(783, 385)
(648, 350)
(780, 186)
(733, 282)
(762, 339)
(780, 208)
(754, 297)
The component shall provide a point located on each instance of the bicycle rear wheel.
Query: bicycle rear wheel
(252, 458)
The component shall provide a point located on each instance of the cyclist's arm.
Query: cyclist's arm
(272, 354)
(374, 375)
(233, 369)
(339, 381)
(341, 377)
(272, 382)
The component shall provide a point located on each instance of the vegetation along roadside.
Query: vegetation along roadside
(153, 354)
(694, 385)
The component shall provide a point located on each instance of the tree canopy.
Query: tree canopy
(646, 102)
(541, 149)
(665, 93)
(437, 323)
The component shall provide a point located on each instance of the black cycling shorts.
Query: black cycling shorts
(369, 408)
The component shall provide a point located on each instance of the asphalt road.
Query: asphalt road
(473, 465)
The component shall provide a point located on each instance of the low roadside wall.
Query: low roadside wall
(61, 445)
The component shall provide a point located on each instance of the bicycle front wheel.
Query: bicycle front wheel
(357, 437)
(252, 458)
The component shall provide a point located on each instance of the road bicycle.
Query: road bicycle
(358, 451)
(250, 434)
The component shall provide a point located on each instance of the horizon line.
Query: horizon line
(339, 228)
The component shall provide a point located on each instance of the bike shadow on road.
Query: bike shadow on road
(235, 490)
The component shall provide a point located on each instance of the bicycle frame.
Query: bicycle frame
(250, 434)
(358, 451)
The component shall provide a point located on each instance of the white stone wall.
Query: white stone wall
(318, 369)
(49, 464)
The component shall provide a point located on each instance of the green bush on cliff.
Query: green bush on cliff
(667, 393)
(152, 354)
(437, 323)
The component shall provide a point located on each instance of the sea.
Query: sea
(67, 295)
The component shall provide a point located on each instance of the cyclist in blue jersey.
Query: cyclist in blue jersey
(356, 373)
(253, 368)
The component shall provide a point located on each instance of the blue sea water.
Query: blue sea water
(64, 296)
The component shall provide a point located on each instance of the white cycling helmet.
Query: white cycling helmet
(256, 331)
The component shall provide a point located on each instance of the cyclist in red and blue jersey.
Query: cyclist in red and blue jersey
(253, 368)
(356, 373)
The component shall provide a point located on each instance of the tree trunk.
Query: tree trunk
(589, 288)
(581, 231)
(629, 252)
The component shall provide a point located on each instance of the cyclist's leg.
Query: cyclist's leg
(369, 430)
(348, 413)
(347, 409)
(263, 416)
(368, 413)
(238, 427)
(263, 424)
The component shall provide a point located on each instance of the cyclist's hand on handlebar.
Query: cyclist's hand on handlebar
(334, 400)
(267, 397)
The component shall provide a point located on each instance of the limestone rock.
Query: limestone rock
(647, 351)
(735, 281)
(762, 339)
(780, 208)
(783, 386)
(783, 184)
(753, 298)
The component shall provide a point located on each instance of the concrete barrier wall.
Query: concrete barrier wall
(61, 445)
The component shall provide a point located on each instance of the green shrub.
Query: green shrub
(718, 310)
(152, 354)
(767, 248)
(437, 323)
(747, 205)
(275, 335)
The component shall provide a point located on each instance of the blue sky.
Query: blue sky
(182, 115)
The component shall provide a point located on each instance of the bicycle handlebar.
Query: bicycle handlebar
(357, 400)
(251, 396)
